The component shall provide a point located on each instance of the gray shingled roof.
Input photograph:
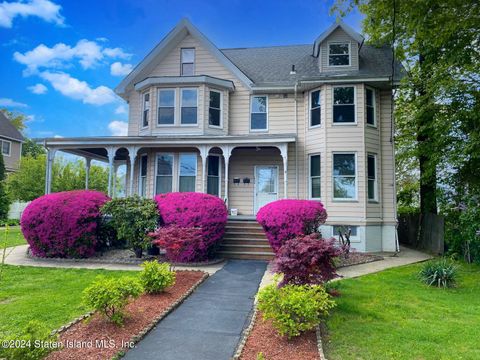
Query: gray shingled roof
(8, 130)
(272, 65)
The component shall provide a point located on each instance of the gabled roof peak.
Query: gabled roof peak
(338, 24)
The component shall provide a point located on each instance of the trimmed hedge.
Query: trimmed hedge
(195, 210)
(286, 219)
(63, 224)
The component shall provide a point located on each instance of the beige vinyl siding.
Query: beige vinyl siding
(338, 36)
(135, 112)
(12, 161)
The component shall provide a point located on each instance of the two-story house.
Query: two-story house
(252, 125)
(11, 141)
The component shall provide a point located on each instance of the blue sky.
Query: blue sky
(61, 60)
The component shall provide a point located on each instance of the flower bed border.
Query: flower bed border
(119, 261)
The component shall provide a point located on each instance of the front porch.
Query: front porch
(246, 172)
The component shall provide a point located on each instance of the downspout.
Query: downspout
(296, 142)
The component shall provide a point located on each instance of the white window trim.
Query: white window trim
(375, 199)
(179, 155)
(174, 106)
(250, 114)
(354, 199)
(354, 104)
(181, 60)
(349, 43)
(9, 147)
(221, 109)
(310, 109)
(219, 174)
(156, 170)
(374, 125)
(310, 176)
(149, 110)
(140, 175)
(181, 105)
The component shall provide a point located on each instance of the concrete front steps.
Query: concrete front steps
(245, 239)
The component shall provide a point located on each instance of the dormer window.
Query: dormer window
(187, 58)
(339, 54)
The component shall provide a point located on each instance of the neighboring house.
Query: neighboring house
(10, 143)
(253, 125)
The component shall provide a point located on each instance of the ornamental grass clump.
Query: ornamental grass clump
(307, 259)
(286, 219)
(64, 224)
(294, 308)
(109, 296)
(440, 273)
(189, 210)
(156, 277)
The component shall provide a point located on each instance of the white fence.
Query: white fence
(16, 209)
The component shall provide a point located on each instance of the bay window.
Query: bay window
(315, 179)
(370, 106)
(315, 116)
(188, 107)
(215, 109)
(166, 107)
(344, 177)
(344, 104)
(146, 109)
(372, 177)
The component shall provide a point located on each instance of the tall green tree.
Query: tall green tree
(437, 114)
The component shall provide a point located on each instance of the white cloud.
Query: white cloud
(79, 90)
(44, 9)
(118, 128)
(5, 102)
(121, 109)
(57, 136)
(88, 53)
(119, 69)
(38, 89)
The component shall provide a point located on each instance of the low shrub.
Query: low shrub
(24, 345)
(285, 219)
(195, 210)
(180, 244)
(10, 222)
(155, 277)
(133, 218)
(440, 273)
(63, 224)
(294, 308)
(307, 259)
(109, 296)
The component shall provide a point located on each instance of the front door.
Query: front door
(266, 185)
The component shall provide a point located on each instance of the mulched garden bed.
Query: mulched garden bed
(264, 338)
(357, 258)
(97, 338)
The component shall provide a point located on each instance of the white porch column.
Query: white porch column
(284, 152)
(88, 162)
(48, 170)
(227, 152)
(114, 178)
(132, 155)
(111, 156)
(204, 154)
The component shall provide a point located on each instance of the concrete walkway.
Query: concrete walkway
(208, 325)
(18, 256)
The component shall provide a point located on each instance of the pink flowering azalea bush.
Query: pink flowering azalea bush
(307, 259)
(286, 219)
(64, 224)
(194, 210)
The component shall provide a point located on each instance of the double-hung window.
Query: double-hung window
(372, 177)
(6, 147)
(315, 116)
(315, 179)
(344, 104)
(187, 172)
(188, 107)
(146, 109)
(164, 181)
(187, 56)
(370, 106)
(339, 54)
(213, 178)
(344, 177)
(258, 113)
(142, 181)
(215, 109)
(166, 107)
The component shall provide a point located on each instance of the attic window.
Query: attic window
(188, 62)
(339, 54)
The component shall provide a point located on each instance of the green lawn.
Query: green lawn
(392, 315)
(51, 295)
(13, 235)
